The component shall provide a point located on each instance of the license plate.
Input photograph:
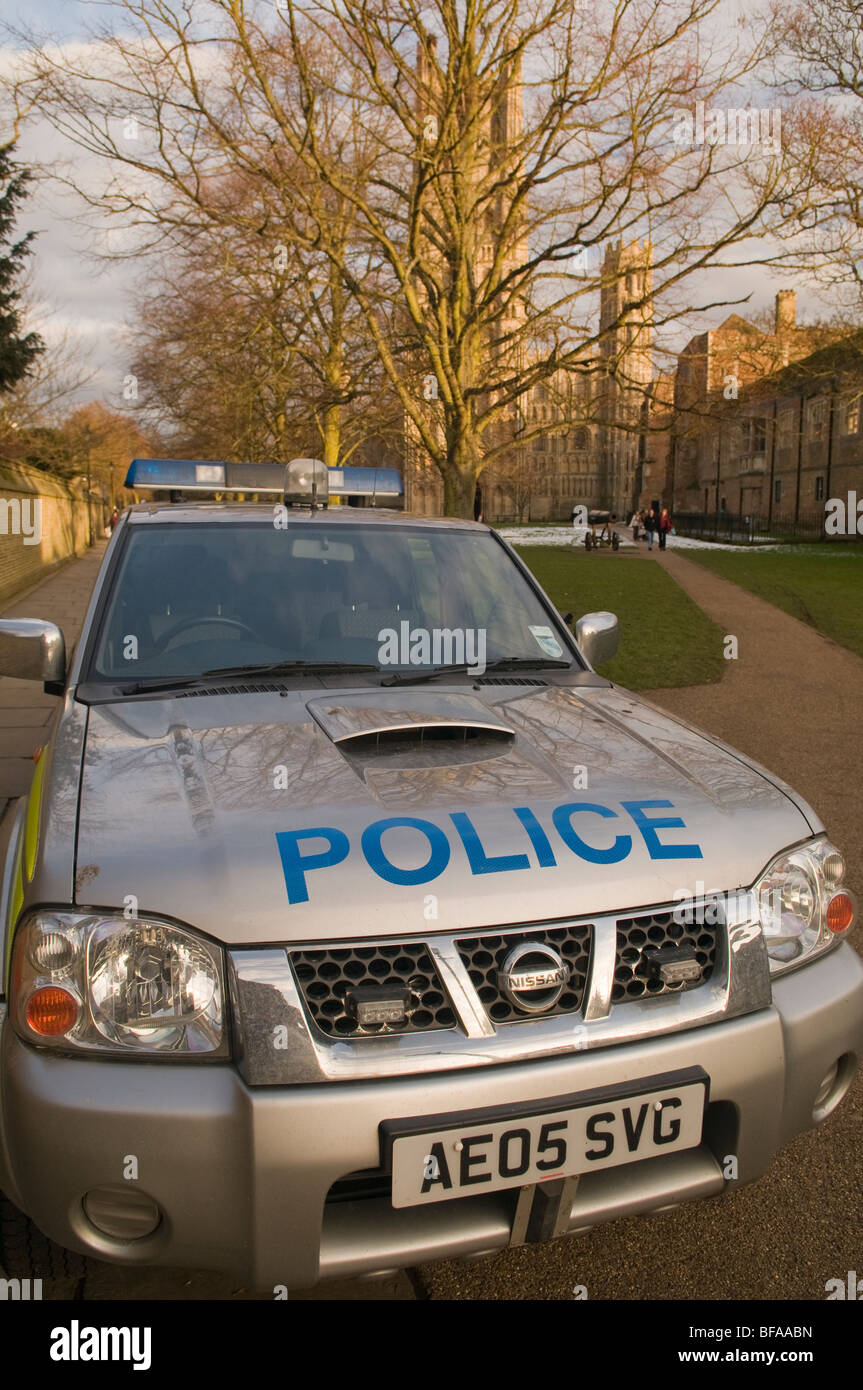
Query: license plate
(486, 1151)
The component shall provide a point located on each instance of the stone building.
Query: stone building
(589, 455)
(800, 432)
(721, 433)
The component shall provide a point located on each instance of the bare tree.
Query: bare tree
(247, 244)
(452, 164)
(820, 64)
(242, 353)
(510, 151)
(56, 378)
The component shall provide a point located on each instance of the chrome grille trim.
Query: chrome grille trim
(467, 1004)
(600, 979)
(265, 997)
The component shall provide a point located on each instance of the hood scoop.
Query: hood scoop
(396, 721)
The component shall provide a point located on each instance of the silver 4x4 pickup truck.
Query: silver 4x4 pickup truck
(353, 921)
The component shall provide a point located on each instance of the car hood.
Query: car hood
(280, 816)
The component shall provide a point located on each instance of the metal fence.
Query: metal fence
(734, 529)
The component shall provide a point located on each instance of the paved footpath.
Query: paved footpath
(792, 700)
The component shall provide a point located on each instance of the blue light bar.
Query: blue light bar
(188, 474)
(199, 475)
(366, 482)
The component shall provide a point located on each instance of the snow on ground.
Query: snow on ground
(574, 535)
(555, 535)
(688, 543)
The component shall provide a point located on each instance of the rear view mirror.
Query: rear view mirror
(321, 548)
(32, 650)
(597, 635)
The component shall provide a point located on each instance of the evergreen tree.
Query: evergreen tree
(18, 351)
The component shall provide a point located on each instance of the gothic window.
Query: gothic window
(785, 430)
(754, 434)
(816, 417)
(851, 415)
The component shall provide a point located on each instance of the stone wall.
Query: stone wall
(43, 522)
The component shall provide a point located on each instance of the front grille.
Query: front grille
(326, 975)
(637, 935)
(484, 956)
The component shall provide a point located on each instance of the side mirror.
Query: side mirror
(31, 650)
(598, 635)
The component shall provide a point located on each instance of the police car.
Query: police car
(354, 921)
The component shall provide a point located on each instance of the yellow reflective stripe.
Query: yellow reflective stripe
(16, 901)
(31, 828)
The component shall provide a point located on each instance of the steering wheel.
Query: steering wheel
(199, 622)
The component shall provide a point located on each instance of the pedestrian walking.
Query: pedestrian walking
(635, 523)
(664, 526)
(650, 526)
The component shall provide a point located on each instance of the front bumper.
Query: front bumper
(242, 1174)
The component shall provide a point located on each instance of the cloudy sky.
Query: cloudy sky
(74, 293)
(77, 295)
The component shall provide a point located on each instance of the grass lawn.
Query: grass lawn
(665, 639)
(820, 584)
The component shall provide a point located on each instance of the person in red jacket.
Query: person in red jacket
(664, 526)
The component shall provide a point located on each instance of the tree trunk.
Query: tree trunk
(332, 435)
(459, 493)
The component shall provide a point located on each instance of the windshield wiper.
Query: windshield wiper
(505, 663)
(286, 668)
(277, 668)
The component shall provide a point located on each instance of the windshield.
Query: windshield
(188, 599)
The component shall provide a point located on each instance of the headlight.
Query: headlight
(802, 904)
(100, 983)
